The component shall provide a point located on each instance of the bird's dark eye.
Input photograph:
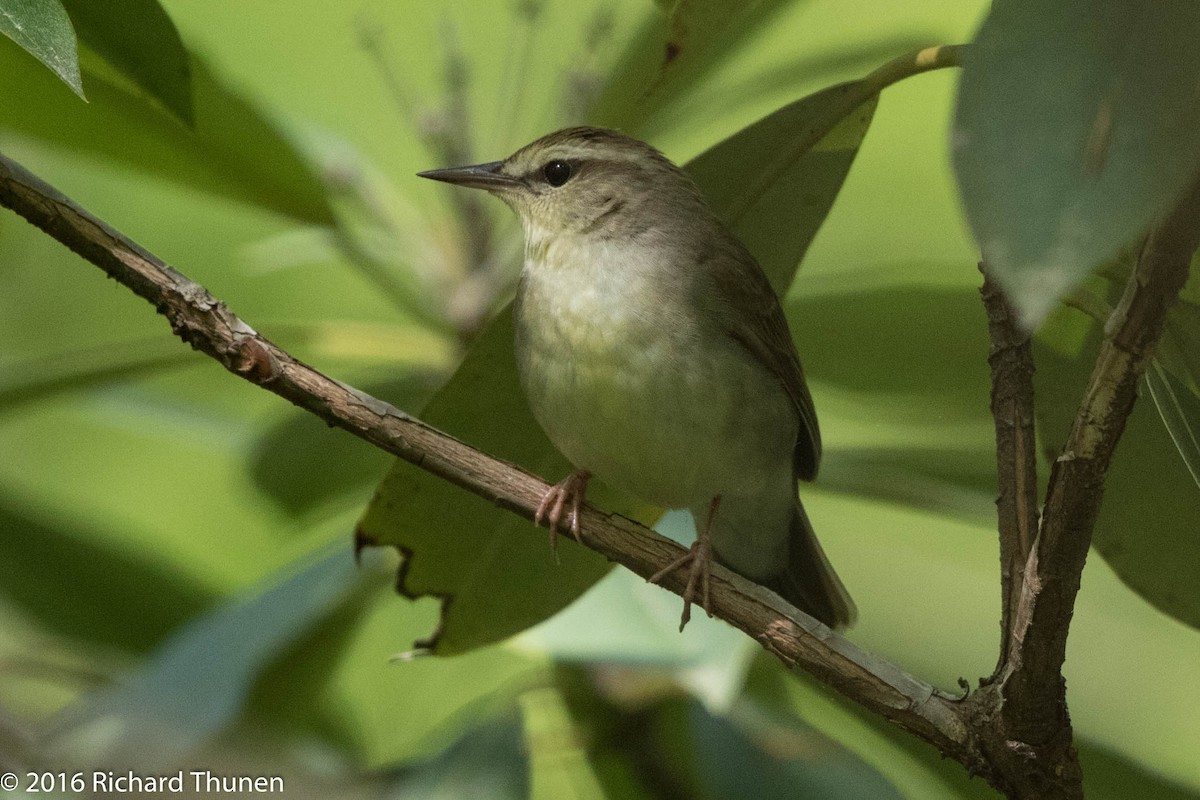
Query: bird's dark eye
(557, 172)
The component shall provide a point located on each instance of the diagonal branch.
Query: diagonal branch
(209, 326)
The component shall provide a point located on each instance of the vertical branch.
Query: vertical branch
(1029, 740)
(1076, 485)
(1011, 360)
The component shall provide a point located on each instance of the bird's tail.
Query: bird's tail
(808, 580)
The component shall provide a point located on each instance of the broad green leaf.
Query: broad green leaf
(1146, 530)
(917, 770)
(488, 761)
(1111, 776)
(303, 466)
(909, 766)
(675, 49)
(772, 188)
(139, 39)
(763, 752)
(234, 150)
(1075, 129)
(902, 394)
(494, 573)
(196, 685)
(96, 586)
(625, 621)
(43, 29)
(755, 749)
(77, 370)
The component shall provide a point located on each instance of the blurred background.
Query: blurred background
(178, 588)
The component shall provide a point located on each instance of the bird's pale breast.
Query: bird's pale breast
(631, 383)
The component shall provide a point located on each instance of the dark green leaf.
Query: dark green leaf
(1111, 776)
(1179, 349)
(488, 761)
(1147, 526)
(1075, 129)
(495, 573)
(303, 465)
(77, 370)
(77, 581)
(198, 682)
(495, 570)
(765, 753)
(674, 50)
(139, 39)
(43, 29)
(775, 189)
(930, 442)
(235, 151)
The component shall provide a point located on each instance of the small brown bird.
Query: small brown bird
(656, 356)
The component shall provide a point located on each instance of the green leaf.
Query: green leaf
(494, 573)
(487, 761)
(930, 443)
(1146, 530)
(1108, 775)
(909, 766)
(1075, 129)
(43, 29)
(139, 39)
(234, 151)
(196, 685)
(772, 187)
(303, 465)
(765, 753)
(78, 370)
(95, 586)
(674, 50)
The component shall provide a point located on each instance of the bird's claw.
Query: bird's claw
(570, 490)
(698, 559)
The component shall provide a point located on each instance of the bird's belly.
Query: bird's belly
(647, 403)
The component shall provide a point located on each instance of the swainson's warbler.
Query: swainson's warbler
(656, 356)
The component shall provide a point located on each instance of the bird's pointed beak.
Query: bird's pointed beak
(477, 176)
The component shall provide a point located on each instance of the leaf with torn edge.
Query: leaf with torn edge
(495, 574)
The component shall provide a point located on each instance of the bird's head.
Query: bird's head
(580, 180)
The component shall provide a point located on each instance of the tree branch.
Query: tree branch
(1032, 744)
(1011, 360)
(210, 327)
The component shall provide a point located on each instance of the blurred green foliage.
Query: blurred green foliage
(175, 545)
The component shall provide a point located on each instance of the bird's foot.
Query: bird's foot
(698, 559)
(571, 492)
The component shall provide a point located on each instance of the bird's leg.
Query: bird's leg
(571, 489)
(699, 560)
